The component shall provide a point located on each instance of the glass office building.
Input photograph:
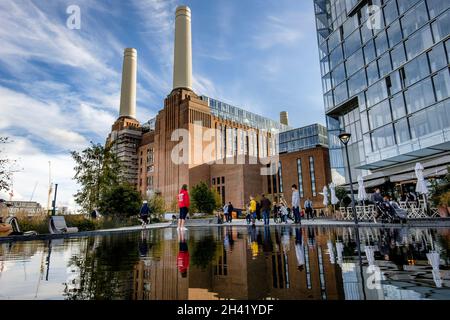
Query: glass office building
(303, 138)
(385, 78)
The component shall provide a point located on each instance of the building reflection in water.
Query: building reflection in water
(281, 262)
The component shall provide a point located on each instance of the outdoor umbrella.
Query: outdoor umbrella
(331, 252)
(434, 261)
(340, 250)
(421, 186)
(362, 195)
(334, 199)
(370, 255)
(325, 196)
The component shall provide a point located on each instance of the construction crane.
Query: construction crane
(34, 190)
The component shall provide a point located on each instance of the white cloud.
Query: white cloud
(284, 29)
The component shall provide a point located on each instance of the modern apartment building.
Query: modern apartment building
(385, 78)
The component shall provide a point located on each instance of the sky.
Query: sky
(60, 87)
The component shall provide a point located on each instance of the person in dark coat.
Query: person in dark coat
(230, 212)
(144, 213)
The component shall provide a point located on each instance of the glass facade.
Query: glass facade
(385, 77)
(225, 111)
(303, 138)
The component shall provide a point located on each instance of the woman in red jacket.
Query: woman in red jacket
(183, 204)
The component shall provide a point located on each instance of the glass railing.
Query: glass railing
(423, 142)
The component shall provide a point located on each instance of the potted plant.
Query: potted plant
(440, 194)
(445, 204)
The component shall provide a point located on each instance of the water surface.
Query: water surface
(280, 262)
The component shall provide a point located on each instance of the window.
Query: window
(354, 62)
(364, 122)
(223, 180)
(340, 93)
(424, 123)
(372, 73)
(338, 75)
(416, 70)
(366, 33)
(336, 57)
(398, 106)
(213, 181)
(352, 43)
(418, 42)
(394, 34)
(437, 58)
(393, 83)
(150, 155)
(313, 176)
(357, 83)
(384, 64)
(402, 131)
(280, 177)
(300, 177)
(369, 52)
(419, 96)
(404, 5)
(383, 137)
(442, 84)
(390, 12)
(414, 19)
(381, 43)
(376, 93)
(380, 115)
(398, 56)
(435, 7)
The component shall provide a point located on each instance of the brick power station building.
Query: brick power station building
(196, 138)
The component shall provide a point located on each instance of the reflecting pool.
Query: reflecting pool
(230, 262)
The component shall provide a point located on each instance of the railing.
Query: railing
(423, 142)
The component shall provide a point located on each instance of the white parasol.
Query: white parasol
(362, 195)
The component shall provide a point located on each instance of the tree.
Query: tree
(341, 194)
(217, 199)
(203, 198)
(120, 201)
(5, 172)
(97, 170)
(157, 205)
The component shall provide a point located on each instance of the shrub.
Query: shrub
(157, 206)
(81, 222)
(203, 198)
(121, 201)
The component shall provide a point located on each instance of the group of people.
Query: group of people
(280, 209)
(228, 212)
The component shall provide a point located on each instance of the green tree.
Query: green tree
(203, 198)
(217, 199)
(5, 173)
(97, 170)
(341, 193)
(157, 205)
(120, 201)
(439, 187)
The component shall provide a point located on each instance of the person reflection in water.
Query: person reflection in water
(143, 246)
(183, 254)
(253, 241)
(299, 249)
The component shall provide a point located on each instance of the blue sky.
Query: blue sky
(59, 88)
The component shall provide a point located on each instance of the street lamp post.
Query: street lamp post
(345, 138)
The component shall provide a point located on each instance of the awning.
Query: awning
(367, 184)
(428, 173)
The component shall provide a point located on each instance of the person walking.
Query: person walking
(265, 208)
(296, 204)
(309, 209)
(252, 209)
(226, 211)
(144, 213)
(258, 210)
(183, 204)
(276, 212)
(230, 212)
